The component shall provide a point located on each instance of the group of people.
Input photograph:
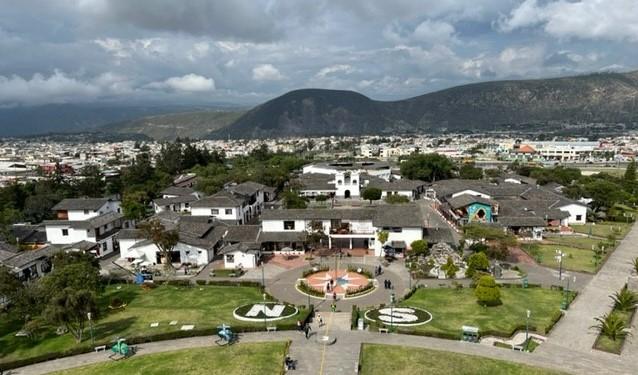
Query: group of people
(304, 327)
(387, 284)
(290, 363)
(378, 270)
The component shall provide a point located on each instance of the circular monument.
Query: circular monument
(399, 316)
(345, 283)
(264, 311)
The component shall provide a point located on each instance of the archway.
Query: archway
(346, 194)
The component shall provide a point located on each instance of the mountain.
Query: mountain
(609, 98)
(57, 118)
(196, 124)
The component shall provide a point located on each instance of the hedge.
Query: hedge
(354, 317)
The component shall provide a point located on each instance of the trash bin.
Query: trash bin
(360, 324)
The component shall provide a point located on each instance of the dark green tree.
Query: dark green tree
(90, 183)
(469, 171)
(371, 194)
(487, 292)
(164, 239)
(427, 167)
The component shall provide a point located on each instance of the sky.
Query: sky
(246, 52)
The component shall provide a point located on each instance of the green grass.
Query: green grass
(205, 307)
(238, 359)
(452, 309)
(577, 259)
(379, 359)
(577, 241)
(603, 229)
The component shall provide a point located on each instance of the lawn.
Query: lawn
(250, 358)
(603, 229)
(379, 359)
(577, 259)
(580, 242)
(451, 309)
(205, 307)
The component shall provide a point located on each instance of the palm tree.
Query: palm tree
(624, 300)
(635, 264)
(612, 326)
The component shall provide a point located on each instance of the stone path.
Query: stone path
(573, 330)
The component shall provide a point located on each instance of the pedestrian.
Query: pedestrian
(307, 331)
(334, 296)
(299, 327)
(389, 284)
(385, 284)
(320, 320)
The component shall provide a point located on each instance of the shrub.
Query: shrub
(361, 290)
(450, 268)
(200, 282)
(396, 199)
(624, 300)
(354, 317)
(419, 247)
(611, 326)
(304, 287)
(487, 292)
(478, 247)
(116, 302)
(477, 261)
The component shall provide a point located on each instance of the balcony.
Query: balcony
(345, 229)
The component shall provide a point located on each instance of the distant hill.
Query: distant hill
(197, 124)
(56, 118)
(605, 98)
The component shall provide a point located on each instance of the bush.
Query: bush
(354, 317)
(478, 247)
(477, 261)
(396, 199)
(487, 292)
(361, 290)
(419, 247)
(304, 287)
(116, 302)
(200, 282)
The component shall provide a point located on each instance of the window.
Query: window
(186, 205)
(86, 212)
(214, 211)
(289, 225)
(104, 246)
(579, 217)
(229, 211)
(65, 232)
(230, 258)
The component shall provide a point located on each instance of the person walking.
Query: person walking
(299, 327)
(334, 296)
(320, 319)
(307, 331)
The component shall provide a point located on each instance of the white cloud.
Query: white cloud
(434, 32)
(511, 61)
(585, 19)
(189, 82)
(338, 68)
(198, 51)
(266, 72)
(39, 89)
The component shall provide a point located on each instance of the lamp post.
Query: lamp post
(88, 315)
(559, 258)
(392, 312)
(264, 312)
(529, 313)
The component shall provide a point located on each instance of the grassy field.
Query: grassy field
(576, 259)
(577, 241)
(452, 309)
(239, 359)
(603, 229)
(205, 307)
(397, 360)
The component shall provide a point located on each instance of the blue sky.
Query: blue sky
(199, 51)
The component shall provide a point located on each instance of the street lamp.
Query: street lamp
(391, 311)
(88, 315)
(263, 311)
(559, 258)
(529, 313)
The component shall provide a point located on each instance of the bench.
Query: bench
(271, 329)
(100, 348)
(383, 330)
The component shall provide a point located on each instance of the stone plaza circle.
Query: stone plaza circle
(268, 311)
(343, 281)
(399, 316)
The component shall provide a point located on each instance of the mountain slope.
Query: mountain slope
(196, 124)
(606, 98)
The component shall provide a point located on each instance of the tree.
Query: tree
(69, 307)
(293, 200)
(629, 179)
(487, 292)
(605, 193)
(134, 204)
(477, 262)
(9, 283)
(396, 199)
(450, 268)
(427, 167)
(611, 326)
(164, 239)
(419, 247)
(91, 183)
(382, 236)
(371, 194)
(497, 241)
(469, 171)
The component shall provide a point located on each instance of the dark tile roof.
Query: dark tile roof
(398, 215)
(129, 234)
(242, 247)
(91, 223)
(177, 200)
(319, 214)
(520, 221)
(464, 200)
(26, 233)
(247, 188)
(397, 185)
(315, 181)
(24, 258)
(438, 235)
(76, 204)
(288, 236)
(177, 190)
(221, 199)
(242, 233)
(539, 208)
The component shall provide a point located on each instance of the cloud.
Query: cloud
(188, 83)
(585, 19)
(266, 72)
(56, 88)
(434, 32)
(338, 68)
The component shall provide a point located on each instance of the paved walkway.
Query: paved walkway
(573, 330)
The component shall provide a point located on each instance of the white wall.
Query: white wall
(471, 192)
(80, 215)
(207, 211)
(278, 226)
(408, 235)
(240, 258)
(574, 211)
(406, 193)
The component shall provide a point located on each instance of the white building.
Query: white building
(96, 220)
(238, 203)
